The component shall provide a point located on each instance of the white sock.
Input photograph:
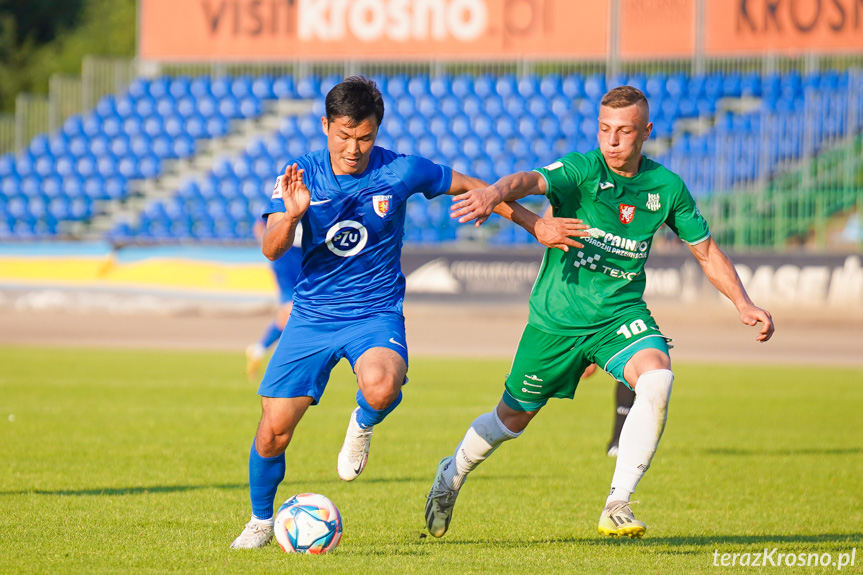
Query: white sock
(641, 432)
(271, 521)
(485, 434)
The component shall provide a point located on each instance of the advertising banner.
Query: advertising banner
(789, 26)
(371, 29)
(800, 281)
(656, 29)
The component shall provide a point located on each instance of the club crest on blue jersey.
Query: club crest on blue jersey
(381, 205)
(347, 238)
(277, 189)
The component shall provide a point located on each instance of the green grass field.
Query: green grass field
(124, 461)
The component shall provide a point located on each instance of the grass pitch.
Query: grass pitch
(122, 461)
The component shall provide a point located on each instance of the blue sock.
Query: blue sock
(271, 336)
(265, 474)
(367, 416)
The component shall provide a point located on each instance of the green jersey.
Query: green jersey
(584, 289)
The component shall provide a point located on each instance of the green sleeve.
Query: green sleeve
(686, 220)
(564, 176)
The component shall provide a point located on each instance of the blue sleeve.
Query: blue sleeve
(422, 175)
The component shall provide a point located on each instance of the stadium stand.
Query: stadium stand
(722, 132)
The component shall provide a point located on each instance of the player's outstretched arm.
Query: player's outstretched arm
(478, 204)
(281, 227)
(549, 231)
(721, 273)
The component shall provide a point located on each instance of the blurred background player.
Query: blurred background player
(285, 272)
(623, 400)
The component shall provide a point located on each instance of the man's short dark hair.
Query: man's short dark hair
(356, 98)
(623, 97)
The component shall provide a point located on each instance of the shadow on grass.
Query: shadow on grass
(97, 491)
(710, 542)
(125, 490)
(735, 451)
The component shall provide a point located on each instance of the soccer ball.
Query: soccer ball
(308, 523)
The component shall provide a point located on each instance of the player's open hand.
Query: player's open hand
(295, 194)
(475, 205)
(753, 315)
(559, 232)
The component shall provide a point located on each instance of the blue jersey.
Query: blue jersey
(353, 230)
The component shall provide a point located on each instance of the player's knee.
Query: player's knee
(270, 441)
(380, 387)
(655, 386)
(380, 396)
(509, 421)
(270, 445)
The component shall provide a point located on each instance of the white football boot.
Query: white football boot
(440, 501)
(257, 533)
(355, 450)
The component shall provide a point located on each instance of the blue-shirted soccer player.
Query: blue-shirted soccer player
(286, 270)
(350, 199)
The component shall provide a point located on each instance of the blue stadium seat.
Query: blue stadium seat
(595, 87)
(462, 85)
(179, 87)
(159, 87)
(484, 85)
(493, 105)
(514, 105)
(528, 86)
(284, 87)
(506, 85)
(427, 106)
(443, 85)
(572, 87)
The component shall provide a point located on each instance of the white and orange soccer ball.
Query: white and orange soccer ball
(308, 523)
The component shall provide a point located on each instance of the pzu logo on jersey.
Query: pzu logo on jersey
(347, 238)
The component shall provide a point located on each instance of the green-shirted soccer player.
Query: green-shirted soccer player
(586, 305)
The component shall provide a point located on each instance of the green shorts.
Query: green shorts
(547, 365)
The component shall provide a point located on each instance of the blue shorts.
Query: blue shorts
(308, 351)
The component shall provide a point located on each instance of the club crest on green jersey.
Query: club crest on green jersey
(653, 202)
(627, 213)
